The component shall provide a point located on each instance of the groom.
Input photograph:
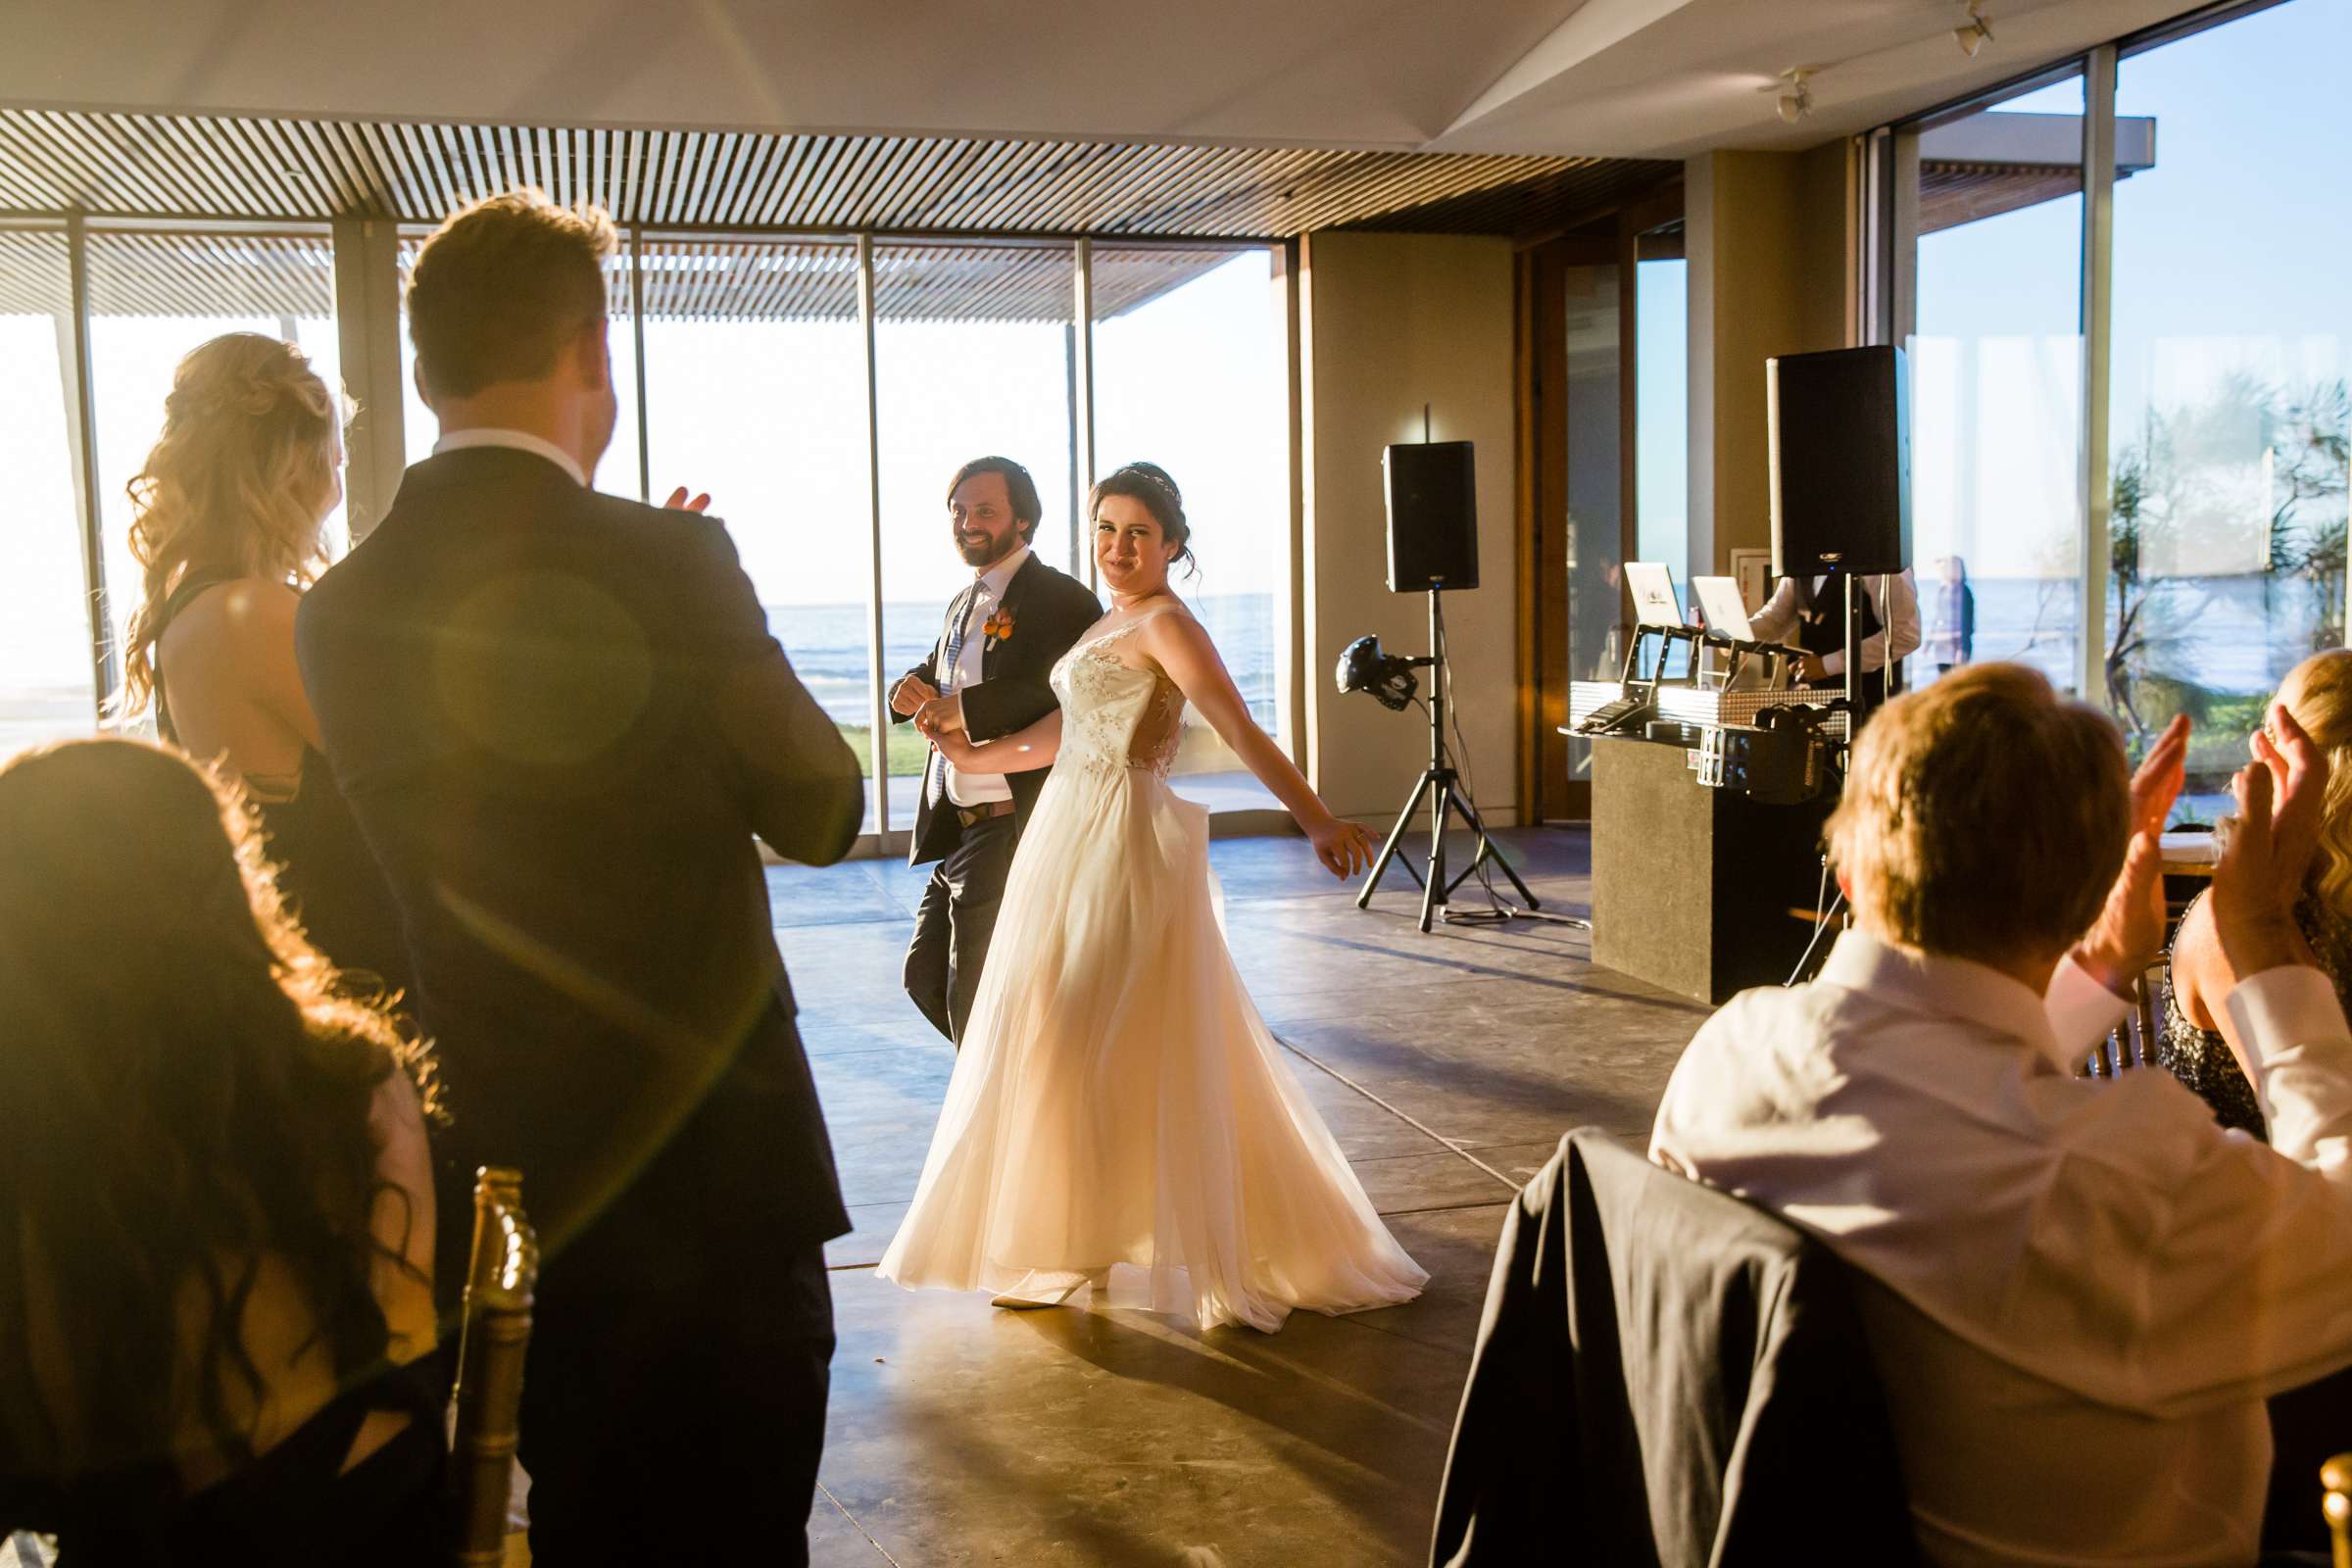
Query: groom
(987, 677)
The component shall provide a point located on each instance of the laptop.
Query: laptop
(1726, 611)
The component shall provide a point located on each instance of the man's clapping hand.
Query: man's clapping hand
(2266, 848)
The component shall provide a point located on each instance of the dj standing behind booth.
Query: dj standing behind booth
(1810, 613)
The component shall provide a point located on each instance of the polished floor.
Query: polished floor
(1447, 1066)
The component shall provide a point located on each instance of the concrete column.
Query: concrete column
(367, 325)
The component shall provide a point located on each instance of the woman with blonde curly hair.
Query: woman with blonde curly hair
(227, 518)
(2318, 693)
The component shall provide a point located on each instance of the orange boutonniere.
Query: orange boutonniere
(996, 628)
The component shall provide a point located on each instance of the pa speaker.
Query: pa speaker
(1433, 516)
(1840, 461)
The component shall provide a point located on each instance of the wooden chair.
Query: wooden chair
(2335, 1479)
(496, 1331)
(2132, 1044)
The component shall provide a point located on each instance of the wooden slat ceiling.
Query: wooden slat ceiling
(168, 170)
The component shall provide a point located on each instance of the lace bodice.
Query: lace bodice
(1116, 714)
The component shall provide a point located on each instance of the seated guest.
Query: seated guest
(2318, 692)
(2078, 1291)
(214, 1293)
(225, 523)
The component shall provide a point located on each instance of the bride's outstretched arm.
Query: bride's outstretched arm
(1183, 648)
(1017, 752)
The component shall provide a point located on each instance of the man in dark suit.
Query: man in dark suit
(560, 719)
(986, 677)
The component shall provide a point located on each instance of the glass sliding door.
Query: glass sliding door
(974, 357)
(1189, 371)
(755, 390)
(2227, 402)
(47, 691)
(1997, 386)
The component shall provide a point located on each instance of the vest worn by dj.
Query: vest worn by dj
(1821, 629)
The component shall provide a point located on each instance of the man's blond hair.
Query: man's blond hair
(502, 286)
(1984, 817)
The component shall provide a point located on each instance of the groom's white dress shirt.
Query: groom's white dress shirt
(2078, 1291)
(980, 789)
(489, 435)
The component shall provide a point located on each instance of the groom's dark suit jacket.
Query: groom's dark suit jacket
(560, 719)
(1049, 609)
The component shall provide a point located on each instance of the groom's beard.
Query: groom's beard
(981, 557)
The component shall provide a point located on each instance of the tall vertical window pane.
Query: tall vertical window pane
(152, 298)
(973, 347)
(2227, 411)
(1662, 400)
(1589, 425)
(46, 689)
(1190, 372)
(617, 473)
(1997, 386)
(755, 390)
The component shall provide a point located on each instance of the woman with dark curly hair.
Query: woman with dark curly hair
(216, 1287)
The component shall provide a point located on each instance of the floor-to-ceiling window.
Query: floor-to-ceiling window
(755, 392)
(1662, 399)
(973, 358)
(1189, 371)
(2228, 416)
(1996, 385)
(47, 691)
(156, 296)
(2217, 329)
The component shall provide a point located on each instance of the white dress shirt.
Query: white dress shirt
(980, 789)
(520, 440)
(2078, 1291)
(1893, 599)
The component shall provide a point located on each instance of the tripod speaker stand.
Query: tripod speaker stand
(1440, 788)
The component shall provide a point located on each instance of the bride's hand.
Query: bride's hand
(958, 749)
(1343, 848)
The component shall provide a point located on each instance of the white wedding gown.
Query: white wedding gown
(1117, 1100)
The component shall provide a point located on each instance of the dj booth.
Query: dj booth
(1711, 783)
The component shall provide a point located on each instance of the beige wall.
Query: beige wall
(1772, 271)
(1390, 322)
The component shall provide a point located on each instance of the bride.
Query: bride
(1119, 1114)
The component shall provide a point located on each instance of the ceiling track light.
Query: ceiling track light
(1975, 33)
(1797, 102)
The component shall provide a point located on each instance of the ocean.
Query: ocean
(827, 644)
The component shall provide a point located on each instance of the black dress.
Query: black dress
(326, 873)
(294, 1505)
(2201, 1058)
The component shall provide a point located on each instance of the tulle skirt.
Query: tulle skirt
(1118, 1101)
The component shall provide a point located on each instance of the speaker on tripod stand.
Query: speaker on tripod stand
(1432, 546)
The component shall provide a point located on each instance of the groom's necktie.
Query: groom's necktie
(960, 624)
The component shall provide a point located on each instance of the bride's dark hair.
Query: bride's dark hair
(188, 1085)
(1148, 483)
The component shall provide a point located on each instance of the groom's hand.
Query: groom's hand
(913, 693)
(941, 716)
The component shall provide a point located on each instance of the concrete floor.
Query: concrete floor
(1447, 1066)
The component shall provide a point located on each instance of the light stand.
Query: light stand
(1441, 786)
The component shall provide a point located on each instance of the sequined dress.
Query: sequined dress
(2201, 1058)
(1117, 1102)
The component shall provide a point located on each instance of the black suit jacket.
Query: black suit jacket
(1049, 610)
(560, 719)
(1667, 1376)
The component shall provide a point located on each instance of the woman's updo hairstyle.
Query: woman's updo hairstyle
(1148, 483)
